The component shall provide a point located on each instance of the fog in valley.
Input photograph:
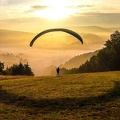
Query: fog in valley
(51, 49)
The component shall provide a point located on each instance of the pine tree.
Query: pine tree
(108, 58)
(1, 67)
(28, 70)
(20, 69)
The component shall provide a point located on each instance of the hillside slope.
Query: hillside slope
(14, 38)
(76, 61)
(81, 96)
(90, 34)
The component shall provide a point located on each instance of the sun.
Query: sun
(55, 13)
(56, 10)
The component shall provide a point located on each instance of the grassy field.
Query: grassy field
(89, 96)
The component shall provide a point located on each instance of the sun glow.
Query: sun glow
(56, 10)
(55, 13)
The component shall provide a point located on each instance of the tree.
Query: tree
(1, 67)
(28, 70)
(20, 69)
(113, 46)
(107, 59)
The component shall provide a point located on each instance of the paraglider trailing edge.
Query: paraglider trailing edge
(76, 35)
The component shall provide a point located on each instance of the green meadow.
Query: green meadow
(86, 96)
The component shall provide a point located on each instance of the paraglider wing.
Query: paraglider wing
(54, 30)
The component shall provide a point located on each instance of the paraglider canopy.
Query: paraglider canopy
(76, 35)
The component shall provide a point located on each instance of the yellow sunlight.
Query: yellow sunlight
(57, 10)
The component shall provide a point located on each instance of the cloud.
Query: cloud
(80, 6)
(10, 2)
(35, 24)
(14, 1)
(37, 7)
(18, 2)
(96, 18)
(105, 17)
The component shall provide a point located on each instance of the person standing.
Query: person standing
(58, 70)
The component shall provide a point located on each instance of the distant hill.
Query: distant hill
(94, 38)
(47, 46)
(107, 59)
(90, 34)
(76, 61)
(9, 59)
(95, 29)
(14, 38)
(115, 28)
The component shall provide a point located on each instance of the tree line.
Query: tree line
(107, 59)
(20, 69)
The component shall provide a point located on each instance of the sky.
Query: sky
(32, 16)
(36, 15)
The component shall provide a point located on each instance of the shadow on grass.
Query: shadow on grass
(59, 103)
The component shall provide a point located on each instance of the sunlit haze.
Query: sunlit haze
(40, 14)
(21, 20)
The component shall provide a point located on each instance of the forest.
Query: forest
(107, 59)
(20, 69)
